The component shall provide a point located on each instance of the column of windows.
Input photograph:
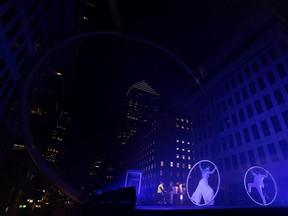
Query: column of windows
(260, 114)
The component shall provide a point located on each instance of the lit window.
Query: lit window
(171, 163)
(161, 163)
(177, 156)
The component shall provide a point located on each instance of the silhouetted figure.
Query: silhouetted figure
(170, 191)
(176, 199)
(161, 193)
(203, 189)
(182, 192)
(258, 183)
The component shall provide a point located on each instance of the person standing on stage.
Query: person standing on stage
(161, 193)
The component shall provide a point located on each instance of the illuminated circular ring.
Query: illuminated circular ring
(37, 158)
(272, 180)
(218, 186)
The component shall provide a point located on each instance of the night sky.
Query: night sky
(108, 66)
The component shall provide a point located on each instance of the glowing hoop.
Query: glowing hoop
(269, 175)
(218, 185)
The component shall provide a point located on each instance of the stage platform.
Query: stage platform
(191, 210)
(211, 210)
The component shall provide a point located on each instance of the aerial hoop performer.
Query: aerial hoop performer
(204, 190)
(264, 184)
(258, 183)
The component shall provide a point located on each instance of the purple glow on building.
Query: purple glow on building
(237, 118)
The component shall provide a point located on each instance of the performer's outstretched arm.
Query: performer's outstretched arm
(200, 166)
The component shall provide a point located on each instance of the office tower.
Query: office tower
(22, 39)
(140, 105)
(55, 147)
(241, 118)
(163, 151)
(101, 174)
(155, 143)
(18, 179)
(29, 29)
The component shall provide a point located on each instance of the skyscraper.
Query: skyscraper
(155, 142)
(56, 144)
(164, 152)
(140, 105)
(28, 30)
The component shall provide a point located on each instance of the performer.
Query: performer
(171, 193)
(203, 189)
(176, 197)
(161, 193)
(182, 192)
(258, 183)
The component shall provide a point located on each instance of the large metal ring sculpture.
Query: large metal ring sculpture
(26, 106)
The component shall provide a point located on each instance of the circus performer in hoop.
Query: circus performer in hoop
(203, 189)
(258, 183)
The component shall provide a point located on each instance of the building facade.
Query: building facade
(165, 153)
(241, 121)
(237, 122)
(140, 105)
(29, 29)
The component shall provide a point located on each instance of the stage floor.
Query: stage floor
(207, 210)
(179, 210)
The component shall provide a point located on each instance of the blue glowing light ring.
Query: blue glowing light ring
(275, 185)
(218, 186)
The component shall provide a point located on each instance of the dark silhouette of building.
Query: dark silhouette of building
(28, 31)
